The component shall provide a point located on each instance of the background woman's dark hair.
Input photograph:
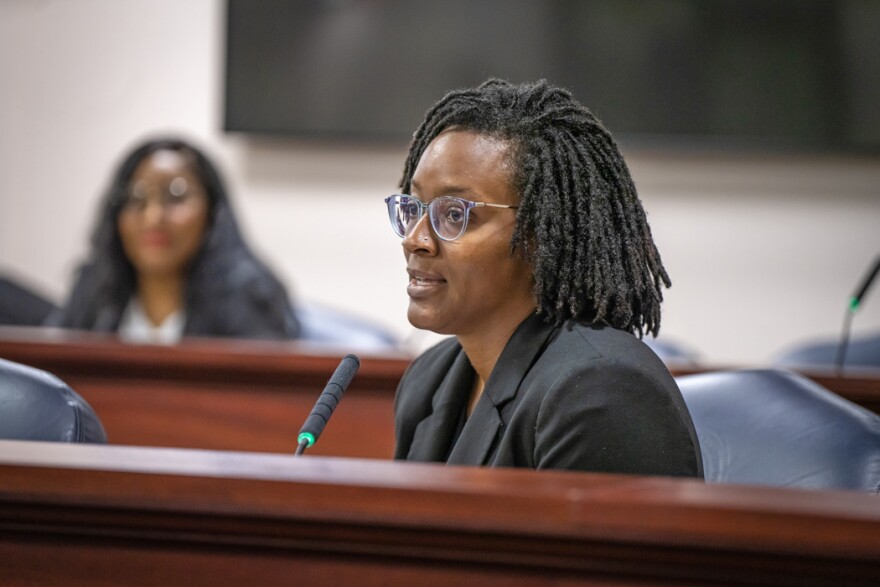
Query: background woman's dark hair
(114, 275)
(580, 222)
(223, 273)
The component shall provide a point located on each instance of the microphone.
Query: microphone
(866, 283)
(854, 303)
(327, 402)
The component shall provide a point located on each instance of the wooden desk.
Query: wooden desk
(104, 515)
(245, 395)
(217, 394)
(860, 387)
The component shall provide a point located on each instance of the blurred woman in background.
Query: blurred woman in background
(168, 259)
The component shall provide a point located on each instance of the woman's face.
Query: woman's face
(164, 215)
(472, 284)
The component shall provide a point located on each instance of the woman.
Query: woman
(525, 239)
(168, 259)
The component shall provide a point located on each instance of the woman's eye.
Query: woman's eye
(136, 196)
(135, 200)
(177, 187)
(177, 191)
(455, 215)
(173, 198)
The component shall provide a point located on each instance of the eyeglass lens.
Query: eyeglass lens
(448, 215)
(175, 193)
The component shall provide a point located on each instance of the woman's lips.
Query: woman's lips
(423, 284)
(156, 239)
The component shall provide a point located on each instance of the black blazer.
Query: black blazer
(576, 396)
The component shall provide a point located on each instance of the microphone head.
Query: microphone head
(328, 400)
(860, 292)
(345, 371)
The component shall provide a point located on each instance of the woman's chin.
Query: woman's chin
(158, 268)
(424, 319)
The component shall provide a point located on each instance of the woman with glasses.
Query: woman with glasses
(168, 259)
(524, 239)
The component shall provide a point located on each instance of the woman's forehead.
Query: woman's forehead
(464, 152)
(465, 162)
(165, 162)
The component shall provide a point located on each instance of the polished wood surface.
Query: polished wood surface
(858, 386)
(217, 394)
(247, 395)
(104, 515)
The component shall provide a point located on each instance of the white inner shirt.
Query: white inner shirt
(136, 327)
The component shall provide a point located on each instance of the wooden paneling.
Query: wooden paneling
(103, 515)
(217, 394)
(247, 395)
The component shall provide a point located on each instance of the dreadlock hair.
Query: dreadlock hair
(580, 223)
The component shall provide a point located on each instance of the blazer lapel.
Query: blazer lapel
(477, 440)
(479, 437)
(433, 435)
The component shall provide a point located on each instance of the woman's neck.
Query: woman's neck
(160, 296)
(484, 348)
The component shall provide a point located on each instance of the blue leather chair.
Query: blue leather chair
(671, 352)
(21, 306)
(778, 428)
(860, 352)
(322, 325)
(36, 405)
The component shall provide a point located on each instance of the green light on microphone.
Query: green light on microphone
(306, 437)
(853, 304)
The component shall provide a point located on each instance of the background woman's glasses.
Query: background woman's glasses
(175, 195)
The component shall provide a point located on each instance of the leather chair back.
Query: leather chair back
(860, 352)
(672, 353)
(778, 428)
(21, 306)
(36, 405)
(322, 325)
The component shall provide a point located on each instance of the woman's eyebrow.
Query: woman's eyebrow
(446, 190)
(457, 190)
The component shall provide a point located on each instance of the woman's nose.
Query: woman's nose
(154, 211)
(420, 238)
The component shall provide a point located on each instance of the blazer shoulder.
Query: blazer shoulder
(607, 344)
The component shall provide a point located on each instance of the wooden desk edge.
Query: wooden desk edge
(610, 507)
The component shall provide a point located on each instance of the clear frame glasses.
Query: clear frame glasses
(448, 214)
(175, 195)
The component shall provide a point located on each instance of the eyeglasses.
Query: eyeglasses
(449, 214)
(175, 195)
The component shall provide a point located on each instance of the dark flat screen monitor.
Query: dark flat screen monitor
(778, 74)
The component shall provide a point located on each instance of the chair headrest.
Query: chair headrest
(775, 427)
(36, 405)
(860, 352)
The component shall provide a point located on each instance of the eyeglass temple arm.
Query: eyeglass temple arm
(494, 205)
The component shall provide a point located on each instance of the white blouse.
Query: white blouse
(136, 327)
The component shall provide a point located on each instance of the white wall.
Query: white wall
(762, 250)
